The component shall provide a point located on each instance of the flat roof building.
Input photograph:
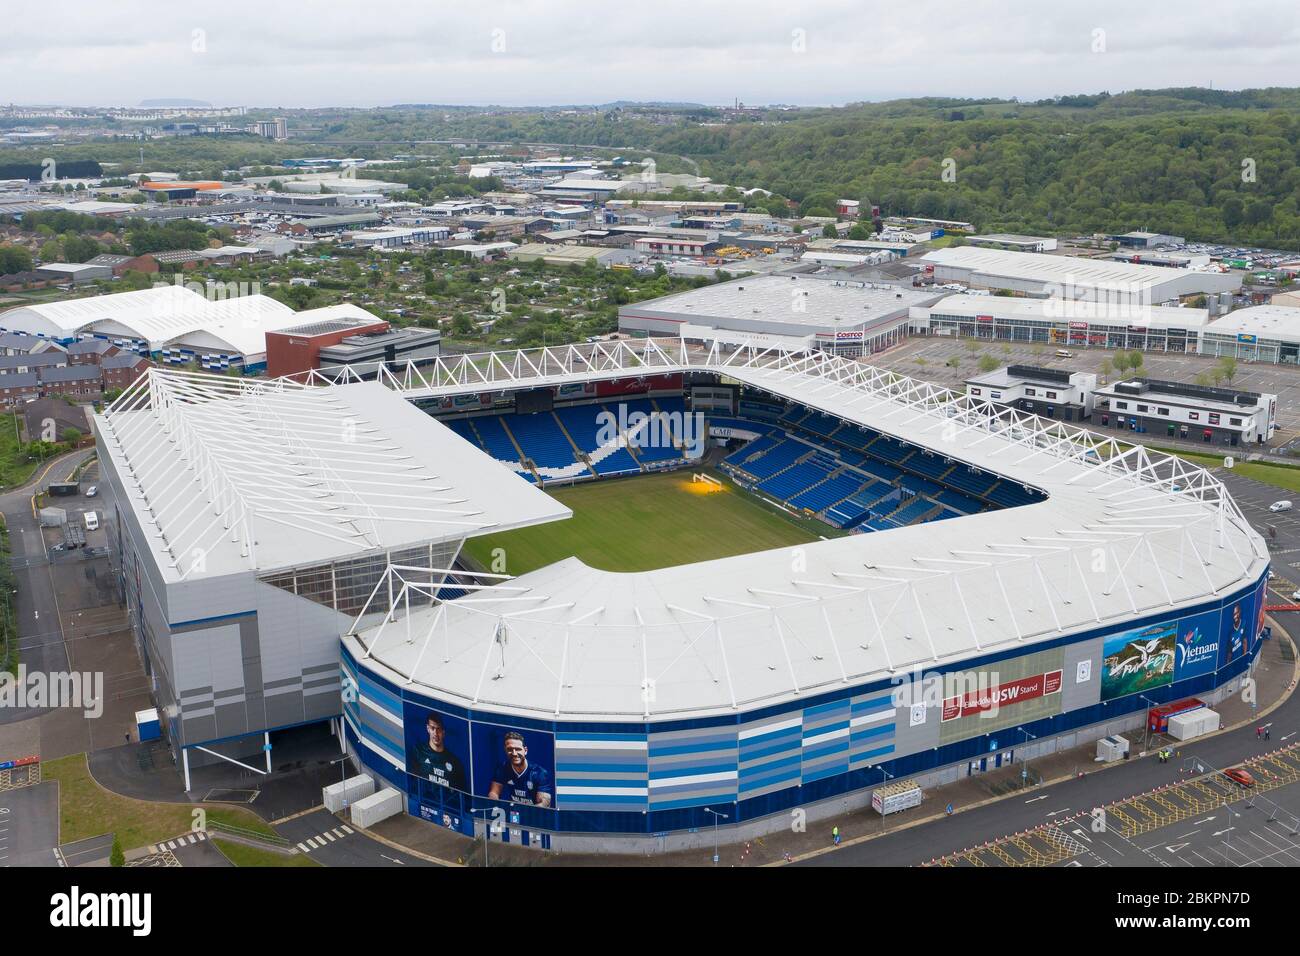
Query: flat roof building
(1070, 277)
(1064, 322)
(847, 316)
(1004, 240)
(1050, 392)
(1214, 416)
(1260, 333)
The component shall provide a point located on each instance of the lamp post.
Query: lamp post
(885, 778)
(1024, 764)
(1146, 733)
(486, 826)
(716, 815)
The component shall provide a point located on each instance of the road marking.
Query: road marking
(398, 862)
(1175, 847)
(329, 836)
(1036, 799)
(1222, 832)
(346, 828)
(1052, 813)
(304, 847)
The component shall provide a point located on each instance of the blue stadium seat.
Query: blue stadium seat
(541, 439)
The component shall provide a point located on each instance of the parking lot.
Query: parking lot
(1200, 819)
(927, 358)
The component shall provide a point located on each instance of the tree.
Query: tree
(116, 857)
(1105, 368)
(14, 259)
(1228, 366)
(988, 363)
(829, 231)
(70, 435)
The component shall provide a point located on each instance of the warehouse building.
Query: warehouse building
(1070, 277)
(1004, 240)
(846, 316)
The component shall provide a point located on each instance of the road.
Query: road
(321, 835)
(36, 607)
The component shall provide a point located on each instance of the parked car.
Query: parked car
(92, 491)
(1240, 775)
(1280, 506)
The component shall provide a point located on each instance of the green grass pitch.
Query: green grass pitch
(645, 522)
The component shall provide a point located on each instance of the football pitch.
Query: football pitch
(645, 522)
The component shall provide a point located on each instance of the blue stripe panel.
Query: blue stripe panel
(688, 757)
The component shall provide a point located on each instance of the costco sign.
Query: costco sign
(1002, 695)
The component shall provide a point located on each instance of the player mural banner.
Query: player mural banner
(1002, 695)
(1138, 660)
(437, 748)
(1238, 617)
(514, 764)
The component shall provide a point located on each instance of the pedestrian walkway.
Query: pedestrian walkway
(180, 841)
(328, 836)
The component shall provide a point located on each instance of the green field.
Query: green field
(647, 522)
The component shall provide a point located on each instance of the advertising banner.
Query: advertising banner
(514, 764)
(1138, 660)
(1001, 695)
(1198, 646)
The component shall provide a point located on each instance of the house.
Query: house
(75, 381)
(90, 351)
(32, 361)
(121, 369)
(19, 388)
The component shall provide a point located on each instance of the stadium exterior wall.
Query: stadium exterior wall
(824, 754)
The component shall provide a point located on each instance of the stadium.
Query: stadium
(816, 578)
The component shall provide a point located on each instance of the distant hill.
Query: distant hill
(174, 104)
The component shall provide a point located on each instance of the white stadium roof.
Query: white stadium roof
(1121, 534)
(161, 316)
(235, 475)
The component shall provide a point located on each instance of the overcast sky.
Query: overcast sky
(536, 52)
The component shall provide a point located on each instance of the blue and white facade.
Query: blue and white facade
(620, 786)
(640, 706)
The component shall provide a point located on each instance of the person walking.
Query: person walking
(1259, 732)
(1266, 733)
(835, 835)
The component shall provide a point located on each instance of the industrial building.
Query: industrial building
(1003, 240)
(346, 335)
(846, 316)
(1070, 277)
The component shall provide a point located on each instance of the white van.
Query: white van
(1280, 506)
(92, 520)
(1064, 353)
